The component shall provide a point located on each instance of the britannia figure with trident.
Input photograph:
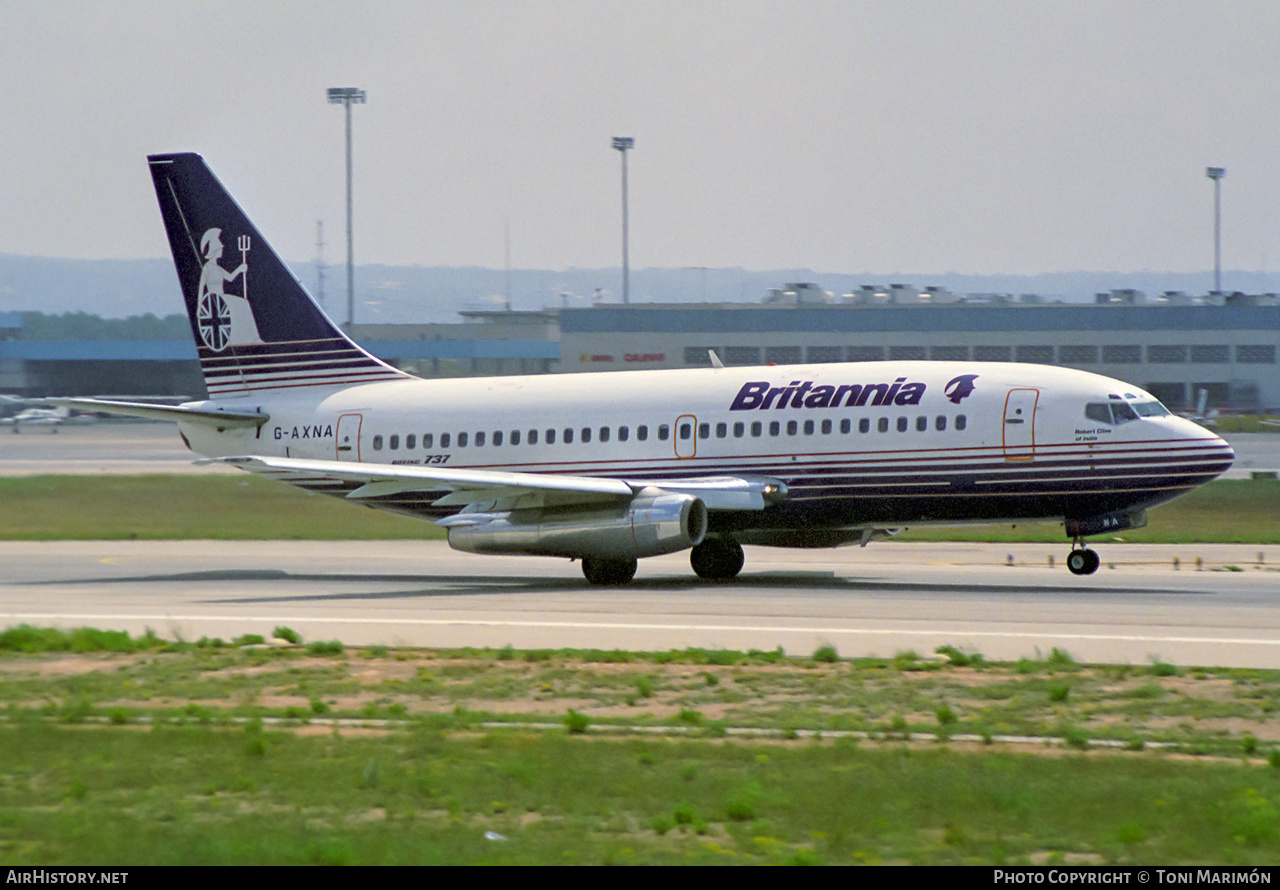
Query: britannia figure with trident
(224, 319)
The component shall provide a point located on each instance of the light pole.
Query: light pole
(1216, 174)
(622, 144)
(346, 96)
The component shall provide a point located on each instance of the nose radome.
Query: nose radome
(1229, 452)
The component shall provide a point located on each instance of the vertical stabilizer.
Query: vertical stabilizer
(255, 327)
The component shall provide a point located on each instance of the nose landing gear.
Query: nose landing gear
(1083, 561)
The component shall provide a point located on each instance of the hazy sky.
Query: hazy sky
(974, 137)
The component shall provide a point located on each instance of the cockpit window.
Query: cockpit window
(1099, 411)
(1122, 412)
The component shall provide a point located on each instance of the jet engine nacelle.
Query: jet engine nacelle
(651, 524)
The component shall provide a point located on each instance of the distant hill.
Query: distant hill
(122, 288)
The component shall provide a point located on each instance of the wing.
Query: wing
(499, 490)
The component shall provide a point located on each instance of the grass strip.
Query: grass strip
(146, 751)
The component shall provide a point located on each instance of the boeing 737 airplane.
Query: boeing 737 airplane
(609, 468)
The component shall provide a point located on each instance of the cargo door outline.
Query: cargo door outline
(346, 442)
(1018, 433)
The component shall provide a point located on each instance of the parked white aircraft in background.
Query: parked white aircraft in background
(609, 468)
(51, 418)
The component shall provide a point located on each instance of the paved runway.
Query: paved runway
(880, 600)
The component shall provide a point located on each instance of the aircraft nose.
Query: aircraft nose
(1228, 453)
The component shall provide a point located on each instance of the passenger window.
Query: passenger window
(738, 429)
(792, 427)
(864, 425)
(377, 443)
(462, 440)
(774, 428)
(533, 437)
(808, 427)
(624, 433)
(883, 425)
(444, 440)
(568, 435)
(586, 434)
(642, 433)
(961, 422)
(515, 437)
(427, 440)
(664, 432)
(756, 428)
(394, 443)
(922, 423)
(704, 431)
(479, 439)
(410, 441)
(940, 422)
(722, 430)
(686, 430)
(902, 424)
(604, 434)
(497, 438)
(826, 427)
(551, 437)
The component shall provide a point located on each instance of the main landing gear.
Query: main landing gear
(717, 559)
(1083, 561)
(608, 571)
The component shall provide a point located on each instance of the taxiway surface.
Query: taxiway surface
(885, 599)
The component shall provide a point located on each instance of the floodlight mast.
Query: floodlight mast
(622, 144)
(1216, 174)
(345, 96)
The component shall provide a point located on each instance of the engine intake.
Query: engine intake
(654, 522)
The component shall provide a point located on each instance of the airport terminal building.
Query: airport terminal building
(1173, 345)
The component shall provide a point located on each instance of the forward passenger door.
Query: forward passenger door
(1020, 424)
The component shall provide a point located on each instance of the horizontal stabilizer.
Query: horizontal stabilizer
(221, 420)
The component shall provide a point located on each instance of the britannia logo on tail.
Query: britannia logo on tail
(958, 388)
(224, 319)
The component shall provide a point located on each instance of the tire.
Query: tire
(717, 559)
(1078, 562)
(608, 572)
(1083, 561)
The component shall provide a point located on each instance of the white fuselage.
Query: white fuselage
(883, 443)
